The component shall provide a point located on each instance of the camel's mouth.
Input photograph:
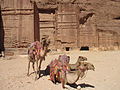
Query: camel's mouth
(93, 68)
(84, 59)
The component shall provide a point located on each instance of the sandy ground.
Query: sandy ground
(13, 72)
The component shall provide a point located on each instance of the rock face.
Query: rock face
(68, 23)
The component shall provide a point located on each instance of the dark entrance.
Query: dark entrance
(85, 48)
(2, 49)
(67, 48)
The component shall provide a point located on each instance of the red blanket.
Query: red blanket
(58, 68)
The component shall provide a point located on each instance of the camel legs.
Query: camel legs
(63, 83)
(63, 79)
(34, 71)
(28, 68)
(37, 68)
(40, 67)
(33, 66)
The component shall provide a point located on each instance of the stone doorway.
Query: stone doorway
(47, 24)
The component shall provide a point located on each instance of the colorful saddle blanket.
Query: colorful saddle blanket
(35, 48)
(64, 59)
(58, 68)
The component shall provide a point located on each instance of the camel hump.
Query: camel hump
(64, 59)
(36, 45)
(35, 48)
(57, 68)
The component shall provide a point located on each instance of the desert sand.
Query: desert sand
(13, 72)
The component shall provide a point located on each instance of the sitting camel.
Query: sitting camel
(64, 74)
(36, 53)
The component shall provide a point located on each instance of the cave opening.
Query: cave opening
(84, 48)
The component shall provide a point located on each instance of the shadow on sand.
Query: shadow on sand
(47, 72)
(43, 72)
(83, 85)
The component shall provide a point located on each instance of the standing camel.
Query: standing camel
(36, 54)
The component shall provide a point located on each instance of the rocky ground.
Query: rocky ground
(13, 72)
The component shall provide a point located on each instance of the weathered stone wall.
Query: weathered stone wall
(92, 15)
(68, 23)
(108, 40)
(87, 31)
(47, 25)
(18, 23)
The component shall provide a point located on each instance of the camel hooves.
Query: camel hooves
(36, 78)
(28, 74)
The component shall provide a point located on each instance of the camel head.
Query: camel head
(45, 42)
(86, 66)
(81, 58)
